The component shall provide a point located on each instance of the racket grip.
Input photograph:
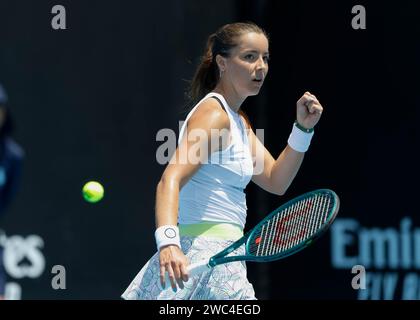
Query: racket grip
(193, 269)
(198, 267)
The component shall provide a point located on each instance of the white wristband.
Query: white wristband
(299, 140)
(166, 235)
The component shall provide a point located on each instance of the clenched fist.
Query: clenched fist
(308, 111)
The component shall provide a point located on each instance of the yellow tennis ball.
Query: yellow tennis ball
(93, 191)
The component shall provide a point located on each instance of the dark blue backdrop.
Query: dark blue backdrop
(89, 101)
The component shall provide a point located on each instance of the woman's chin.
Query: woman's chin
(254, 91)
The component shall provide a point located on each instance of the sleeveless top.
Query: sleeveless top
(215, 193)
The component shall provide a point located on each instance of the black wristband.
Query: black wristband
(303, 128)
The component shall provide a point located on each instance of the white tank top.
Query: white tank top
(215, 193)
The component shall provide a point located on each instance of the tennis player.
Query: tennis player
(201, 205)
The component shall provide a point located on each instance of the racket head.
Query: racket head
(293, 226)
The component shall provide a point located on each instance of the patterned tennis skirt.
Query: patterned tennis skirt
(223, 282)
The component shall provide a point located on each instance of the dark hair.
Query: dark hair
(221, 42)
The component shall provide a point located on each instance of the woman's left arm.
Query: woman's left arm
(275, 176)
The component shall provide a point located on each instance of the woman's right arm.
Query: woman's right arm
(181, 168)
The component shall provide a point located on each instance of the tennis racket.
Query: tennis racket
(287, 230)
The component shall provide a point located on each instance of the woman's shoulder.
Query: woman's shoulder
(246, 120)
(210, 114)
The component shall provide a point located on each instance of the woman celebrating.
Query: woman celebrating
(200, 202)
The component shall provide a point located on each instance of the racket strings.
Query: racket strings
(291, 226)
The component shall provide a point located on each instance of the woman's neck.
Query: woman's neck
(231, 96)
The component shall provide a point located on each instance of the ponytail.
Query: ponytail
(206, 75)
